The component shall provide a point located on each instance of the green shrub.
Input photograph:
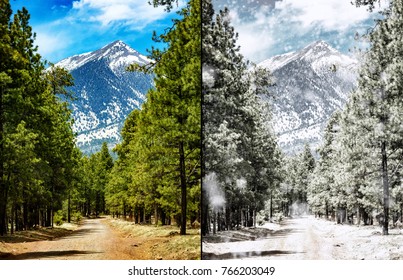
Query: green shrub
(58, 218)
(76, 217)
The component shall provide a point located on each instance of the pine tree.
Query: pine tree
(380, 87)
(5, 81)
(369, 3)
(223, 74)
(368, 149)
(170, 121)
(238, 145)
(299, 169)
(323, 178)
(21, 85)
(35, 127)
(104, 164)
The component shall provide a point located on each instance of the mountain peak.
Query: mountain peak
(118, 45)
(117, 42)
(308, 91)
(106, 93)
(317, 49)
(312, 53)
(319, 44)
(116, 54)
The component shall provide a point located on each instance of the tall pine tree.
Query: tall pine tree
(380, 90)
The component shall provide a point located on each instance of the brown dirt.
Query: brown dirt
(94, 239)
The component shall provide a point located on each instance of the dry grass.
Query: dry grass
(164, 242)
(140, 241)
(39, 234)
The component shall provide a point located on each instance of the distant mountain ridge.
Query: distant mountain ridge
(310, 85)
(106, 93)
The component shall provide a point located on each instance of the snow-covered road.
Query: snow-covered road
(305, 238)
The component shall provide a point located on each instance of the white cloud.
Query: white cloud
(330, 14)
(89, 24)
(254, 37)
(295, 22)
(51, 43)
(130, 12)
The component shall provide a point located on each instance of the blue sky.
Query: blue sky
(66, 27)
(271, 27)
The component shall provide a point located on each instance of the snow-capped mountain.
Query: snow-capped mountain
(106, 93)
(310, 85)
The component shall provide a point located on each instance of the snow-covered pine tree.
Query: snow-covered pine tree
(369, 3)
(305, 169)
(359, 161)
(298, 169)
(223, 69)
(380, 91)
(258, 144)
(322, 182)
(236, 143)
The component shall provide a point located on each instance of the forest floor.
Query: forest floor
(101, 239)
(305, 238)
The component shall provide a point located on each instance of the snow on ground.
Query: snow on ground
(305, 238)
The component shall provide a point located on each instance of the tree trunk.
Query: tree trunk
(3, 202)
(155, 214)
(205, 213)
(359, 212)
(327, 211)
(183, 188)
(219, 223)
(69, 209)
(254, 217)
(214, 221)
(163, 217)
(229, 219)
(12, 219)
(271, 205)
(48, 222)
(385, 182)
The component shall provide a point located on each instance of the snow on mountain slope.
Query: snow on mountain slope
(310, 85)
(116, 53)
(106, 93)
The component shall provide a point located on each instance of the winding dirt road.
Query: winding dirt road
(93, 240)
(295, 239)
(302, 240)
(306, 238)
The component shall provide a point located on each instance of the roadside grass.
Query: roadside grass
(38, 234)
(165, 242)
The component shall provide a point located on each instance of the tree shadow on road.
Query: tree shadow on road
(80, 233)
(248, 234)
(40, 234)
(44, 255)
(46, 233)
(239, 255)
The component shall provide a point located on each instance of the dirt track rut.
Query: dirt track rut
(93, 240)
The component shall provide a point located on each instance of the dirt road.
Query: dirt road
(305, 238)
(93, 240)
(294, 239)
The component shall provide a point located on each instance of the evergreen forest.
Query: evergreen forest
(355, 175)
(46, 180)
